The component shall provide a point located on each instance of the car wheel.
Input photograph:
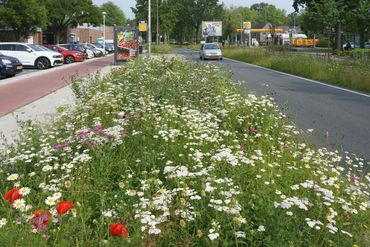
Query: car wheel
(69, 59)
(42, 63)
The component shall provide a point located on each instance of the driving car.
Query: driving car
(9, 66)
(68, 55)
(31, 55)
(78, 47)
(210, 51)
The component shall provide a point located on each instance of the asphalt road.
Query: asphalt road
(340, 118)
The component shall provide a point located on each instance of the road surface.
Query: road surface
(24, 89)
(340, 118)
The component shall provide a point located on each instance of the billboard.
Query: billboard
(126, 43)
(211, 28)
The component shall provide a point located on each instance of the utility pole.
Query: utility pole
(149, 29)
(157, 36)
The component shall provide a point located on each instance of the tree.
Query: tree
(114, 14)
(277, 17)
(24, 17)
(358, 19)
(329, 14)
(64, 14)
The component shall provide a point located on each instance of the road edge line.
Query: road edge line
(302, 78)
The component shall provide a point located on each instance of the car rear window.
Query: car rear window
(211, 46)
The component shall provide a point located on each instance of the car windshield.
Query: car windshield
(43, 48)
(211, 46)
(36, 47)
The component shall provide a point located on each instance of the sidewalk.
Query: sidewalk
(41, 110)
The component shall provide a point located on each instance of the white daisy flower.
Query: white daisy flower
(50, 201)
(213, 236)
(261, 228)
(19, 203)
(24, 191)
(57, 196)
(3, 222)
(13, 177)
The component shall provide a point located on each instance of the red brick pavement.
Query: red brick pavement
(22, 91)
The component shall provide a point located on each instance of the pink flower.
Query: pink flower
(253, 130)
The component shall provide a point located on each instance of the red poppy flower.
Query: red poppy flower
(64, 206)
(117, 229)
(12, 195)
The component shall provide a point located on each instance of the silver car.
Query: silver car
(210, 51)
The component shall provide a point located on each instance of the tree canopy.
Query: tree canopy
(24, 17)
(114, 14)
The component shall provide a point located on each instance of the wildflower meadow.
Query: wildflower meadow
(164, 152)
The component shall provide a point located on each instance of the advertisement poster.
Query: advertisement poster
(126, 42)
(211, 28)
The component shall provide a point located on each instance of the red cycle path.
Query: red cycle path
(26, 90)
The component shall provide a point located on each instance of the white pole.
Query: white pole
(104, 31)
(149, 29)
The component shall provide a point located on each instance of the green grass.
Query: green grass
(179, 154)
(349, 74)
(162, 49)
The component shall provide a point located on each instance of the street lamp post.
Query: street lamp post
(157, 35)
(149, 28)
(241, 27)
(104, 13)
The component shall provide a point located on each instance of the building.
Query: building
(10, 36)
(82, 33)
(260, 33)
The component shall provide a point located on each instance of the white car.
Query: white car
(31, 55)
(210, 51)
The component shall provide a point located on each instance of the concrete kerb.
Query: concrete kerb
(42, 110)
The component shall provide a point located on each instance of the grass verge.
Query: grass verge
(170, 153)
(162, 49)
(349, 74)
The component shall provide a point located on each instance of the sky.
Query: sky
(281, 4)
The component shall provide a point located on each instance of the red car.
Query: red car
(68, 55)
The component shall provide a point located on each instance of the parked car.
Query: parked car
(109, 48)
(31, 55)
(68, 55)
(210, 51)
(92, 46)
(9, 66)
(80, 48)
(367, 45)
(97, 51)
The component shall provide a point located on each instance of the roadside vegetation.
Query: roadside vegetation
(170, 153)
(348, 73)
(162, 49)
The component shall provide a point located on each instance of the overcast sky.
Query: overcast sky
(126, 4)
